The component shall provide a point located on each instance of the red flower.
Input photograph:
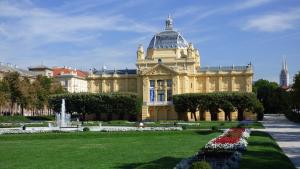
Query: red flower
(231, 137)
(226, 140)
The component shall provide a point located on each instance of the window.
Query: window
(161, 95)
(152, 95)
(159, 61)
(169, 83)
(160, 83)
(169, 95)
(152, 83)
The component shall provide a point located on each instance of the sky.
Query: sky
(86, 34)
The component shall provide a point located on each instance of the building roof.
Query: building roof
(225, 68)
(168, 38)
(39, 67)
(121, 71)
(14, 68)
(58, 71)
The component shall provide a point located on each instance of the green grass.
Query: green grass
(223, 125)
(13, 119)
(196, 125)
(100, 150)
(264, 153)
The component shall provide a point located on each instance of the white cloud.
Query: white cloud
(274, 22)
(29, 23)
(250, 4)
(199, 13)
(30, 34)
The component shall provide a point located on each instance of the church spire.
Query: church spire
(169, 23)
(285, 64)
(284, 74)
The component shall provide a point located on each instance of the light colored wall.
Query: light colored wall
(180, 65)
(74, 84)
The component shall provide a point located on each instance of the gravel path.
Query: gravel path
(287, 135)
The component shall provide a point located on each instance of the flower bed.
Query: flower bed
(234, 139)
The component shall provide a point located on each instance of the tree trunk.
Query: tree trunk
(240, 114)
(11, 109)
(229, 116)
(195, 117)
(22, 110)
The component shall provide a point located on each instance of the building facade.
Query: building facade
(6, 68)
(74, 81)
(169, 66)
(41, 70)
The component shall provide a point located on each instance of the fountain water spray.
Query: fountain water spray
(63, 119)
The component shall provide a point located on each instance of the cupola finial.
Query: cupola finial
(169, 23)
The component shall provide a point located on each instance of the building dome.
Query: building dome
(168, 38)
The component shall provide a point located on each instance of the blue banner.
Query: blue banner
(152, 95)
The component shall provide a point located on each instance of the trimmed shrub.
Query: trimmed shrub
(260, 116)
(201, 165)
(213, 102)
(86, 129)
(293, 116)
(98, 103)
(215, 128)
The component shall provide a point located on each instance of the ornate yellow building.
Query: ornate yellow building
(170, 66)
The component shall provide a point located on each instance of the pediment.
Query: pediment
(160, 69)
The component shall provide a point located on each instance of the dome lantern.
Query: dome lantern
(169, 23)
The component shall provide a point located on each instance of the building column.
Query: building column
(175, 85)
(165, 90)
(155, 91)
(146, 89)
(232, 83)
(114, 85)
(207, 84)
(126, 84)
(220, 83)
(194, 84)
(103, 86)
(186, 83)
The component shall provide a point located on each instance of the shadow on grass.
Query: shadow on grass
(205, 132)
(261, 134)
(165, 163)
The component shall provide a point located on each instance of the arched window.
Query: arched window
(159, 61)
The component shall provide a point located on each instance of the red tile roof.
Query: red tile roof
(57, 71)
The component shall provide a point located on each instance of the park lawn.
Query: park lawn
(188, 125)
(223, 125)
(264, 153)
(89, 150)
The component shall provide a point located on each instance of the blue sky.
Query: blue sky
(87, 34)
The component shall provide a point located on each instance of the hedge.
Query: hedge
(88, 103)
(213, 102)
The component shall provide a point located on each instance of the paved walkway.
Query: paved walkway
(287, 135)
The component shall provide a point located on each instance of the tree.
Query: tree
(265, 91)
(88, 103)
(213, 102)
(262, 83)
(296, 92)
(13, 82)
(180, 105)
(4, 94)
(192, 104)
(25, 99)
(227, 107)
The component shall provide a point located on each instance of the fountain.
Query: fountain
(63, 119)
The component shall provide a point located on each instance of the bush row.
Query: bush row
(88, 103)
(213, 102)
